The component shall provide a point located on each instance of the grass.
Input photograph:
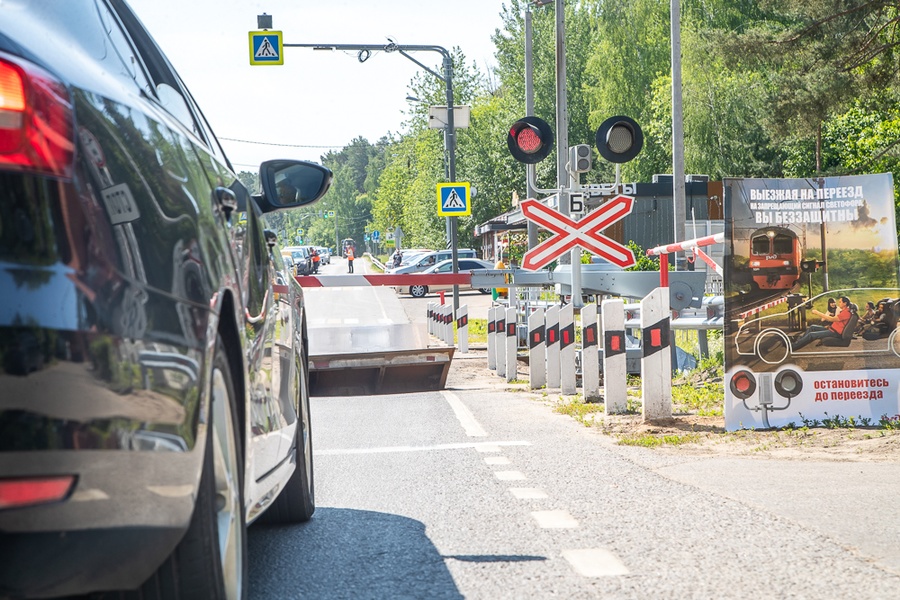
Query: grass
(649, 440)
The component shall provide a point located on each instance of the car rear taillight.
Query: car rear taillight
(17, 493)
(36, 120)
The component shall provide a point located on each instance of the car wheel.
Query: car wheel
(211, 559)
(296, 502)
(484, 290)
(418, 291)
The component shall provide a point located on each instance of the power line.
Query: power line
(280, 145)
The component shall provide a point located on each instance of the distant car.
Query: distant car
(429, 259)
(300, 259)
(464, 264)
(324, 255)
(154, 394)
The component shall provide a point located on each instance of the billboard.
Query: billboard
(812, 301)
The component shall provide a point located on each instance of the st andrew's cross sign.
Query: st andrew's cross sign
(584, 233)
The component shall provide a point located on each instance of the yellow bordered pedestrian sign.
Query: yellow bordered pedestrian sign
(454, 199)
(266, 48)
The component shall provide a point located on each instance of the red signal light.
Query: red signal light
(36, 120)
(743, 384)
(530, 140)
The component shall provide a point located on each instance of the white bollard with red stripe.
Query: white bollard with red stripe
(656, 356)
(537, 350)
(567, 370)
(615, 377)
(551, 318)
(462, 328)
(512, 344)
(492, 338)
(447, 319)
(590, 354)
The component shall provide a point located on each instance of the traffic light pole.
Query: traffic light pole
(449, 130)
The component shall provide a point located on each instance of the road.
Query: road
(481, 492)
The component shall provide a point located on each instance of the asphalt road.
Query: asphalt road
(480, 492)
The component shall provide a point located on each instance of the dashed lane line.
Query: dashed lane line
(595, 562)
(554, 519)
(528, 493)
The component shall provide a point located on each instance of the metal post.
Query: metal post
(678, 191)
(530, 192)
(450, 143)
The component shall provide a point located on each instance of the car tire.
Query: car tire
(418, 291)
(296, 502)
(211, 559)
(484, 290)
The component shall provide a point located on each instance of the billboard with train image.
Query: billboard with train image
(812, 301)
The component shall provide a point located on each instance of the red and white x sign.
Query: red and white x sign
(584, 233)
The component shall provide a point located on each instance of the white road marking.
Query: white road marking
(595, 562)
(465, 416)
(491, 447)
(528, 493)
(497, 460)
(488, 448)
(509, 475)
(554, 519)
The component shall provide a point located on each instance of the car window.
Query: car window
(444, 268)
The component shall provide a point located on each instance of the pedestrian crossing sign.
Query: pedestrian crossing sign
(266, 48)
(454, 199)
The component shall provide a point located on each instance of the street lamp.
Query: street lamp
(364, 51)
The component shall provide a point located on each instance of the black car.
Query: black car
(153, 372)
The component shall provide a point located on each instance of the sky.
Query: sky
(317, 100)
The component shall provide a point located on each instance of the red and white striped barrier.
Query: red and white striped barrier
(401, 280)
(663, 253)
(762, 307)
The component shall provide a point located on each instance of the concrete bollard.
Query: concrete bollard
(567, 370)
(656, 358)
(462, 328)
(501, 341)
(615, 377)
(537, 350)
(590, 354)
(551, 318)
(430, 319)
(512, 344)
(492, 338)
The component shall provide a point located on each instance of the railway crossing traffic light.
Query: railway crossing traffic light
(530, 140)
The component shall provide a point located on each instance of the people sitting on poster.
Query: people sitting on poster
(820, 332)
(867, 318)
(880, 324)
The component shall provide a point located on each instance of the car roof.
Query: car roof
(485, 264)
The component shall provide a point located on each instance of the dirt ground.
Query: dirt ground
(690, 434)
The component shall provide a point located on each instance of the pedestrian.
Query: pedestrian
(835, 330)
(350, 259)
(500, 292)
(314, 254)
(398, 258)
